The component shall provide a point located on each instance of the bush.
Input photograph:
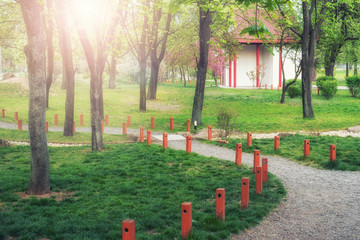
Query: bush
(327, 86)
(353, 83)
(294, 90)
(226, 122)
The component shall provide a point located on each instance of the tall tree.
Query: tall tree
(50, 48)
(35, 54)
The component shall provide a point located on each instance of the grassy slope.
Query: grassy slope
(145, 183)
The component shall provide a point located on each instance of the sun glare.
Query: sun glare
(92, 12)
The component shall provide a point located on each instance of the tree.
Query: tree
(35, 54)
(50, 48)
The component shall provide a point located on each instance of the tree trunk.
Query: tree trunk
(66, 54)
(173, 74)
(214, 75)
(347, 69)
(35, 53)
(182, 71)
(204, 36)
(112, 80)
(63, 78)
(155, 65)
(355, 68)
(50, 50)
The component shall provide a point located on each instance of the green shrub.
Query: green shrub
(327, 86)
(353, 83)
(226, 122)
(294, 90)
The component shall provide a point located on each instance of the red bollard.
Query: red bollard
(16, 116)
(152, 122)
(56, 120)
(81, 120)
(188, 144)
(265, 169)
(19, 124)
(272, 87)
(124, 128)
(188, 125)
(244, 192)
(107, 120)
(2, 113)
(249, 139)
(165, 140)
(256, 159)
(332, 153)
(128, 120)
(276, 143)
(238, 154)
(141, 134)
(220, 203)
(265, 86)
(171, 123)
(186, 219)
(128, 229)
(46, 126)
(148, 137)
(102, 127)
(73, 127)
(318, 90)
(209, 133)
(306, 148)
(258, 180)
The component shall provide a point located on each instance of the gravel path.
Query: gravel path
(320, 204)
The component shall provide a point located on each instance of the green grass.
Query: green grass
(136, 181)
(292, 147)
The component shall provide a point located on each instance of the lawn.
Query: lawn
(136, 181)
(292, 147)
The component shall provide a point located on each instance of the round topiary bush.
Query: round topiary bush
(327, 86)
(294, 90)
(353, 83)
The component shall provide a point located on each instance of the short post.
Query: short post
(171, 123)
(47, 126)
(209, 133)
(188, 144)
(124, 128)
(128, 229)
(249, 139)
(152, 122)
(188, 125)
(244, 192)
(186, 219)
(276, 143)
(2, 113)
(102, 126)
(306, 148)
(16, 116)
(272, 87)
(258, 180)
(256, 159)
(82, 119)
(238, 154)
(165, 140)
(265, 86)
(318, 91)
(148, 137)
(19, 124)
(265, 169)
(128, 120)
(220, 203)
(56, 119)
(74, 127)
(141, 134)
(332, 153)
(107, 120)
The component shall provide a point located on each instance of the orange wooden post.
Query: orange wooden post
(186, 219)
(107, 119)
(272, 87)
(306, 148)
(2, 113)
(238, 154)
(165, 140)
(256, 159)
(318, 90)
(128, 229)
(56, 119)
(244, 192)
(19, 124)
(128, 120)
(47, 126)
(276, 143)
(102, 126)
(265, 86)
(148, 137)
(220, 203)
(171, 123)
(124, 128)
(209, 133)
(278, 88)
(141, 134)
(188, 125)
(249, 139)
(258, 180)
(16, 116)
(82, 120)
(188, 144)
(152, 122)
(265, 162)
(332, 153)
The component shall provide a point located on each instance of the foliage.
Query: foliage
(226, 121)
(294, 90)
(259, 71)
(353, 83)
(136, 181)
(327, 86)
